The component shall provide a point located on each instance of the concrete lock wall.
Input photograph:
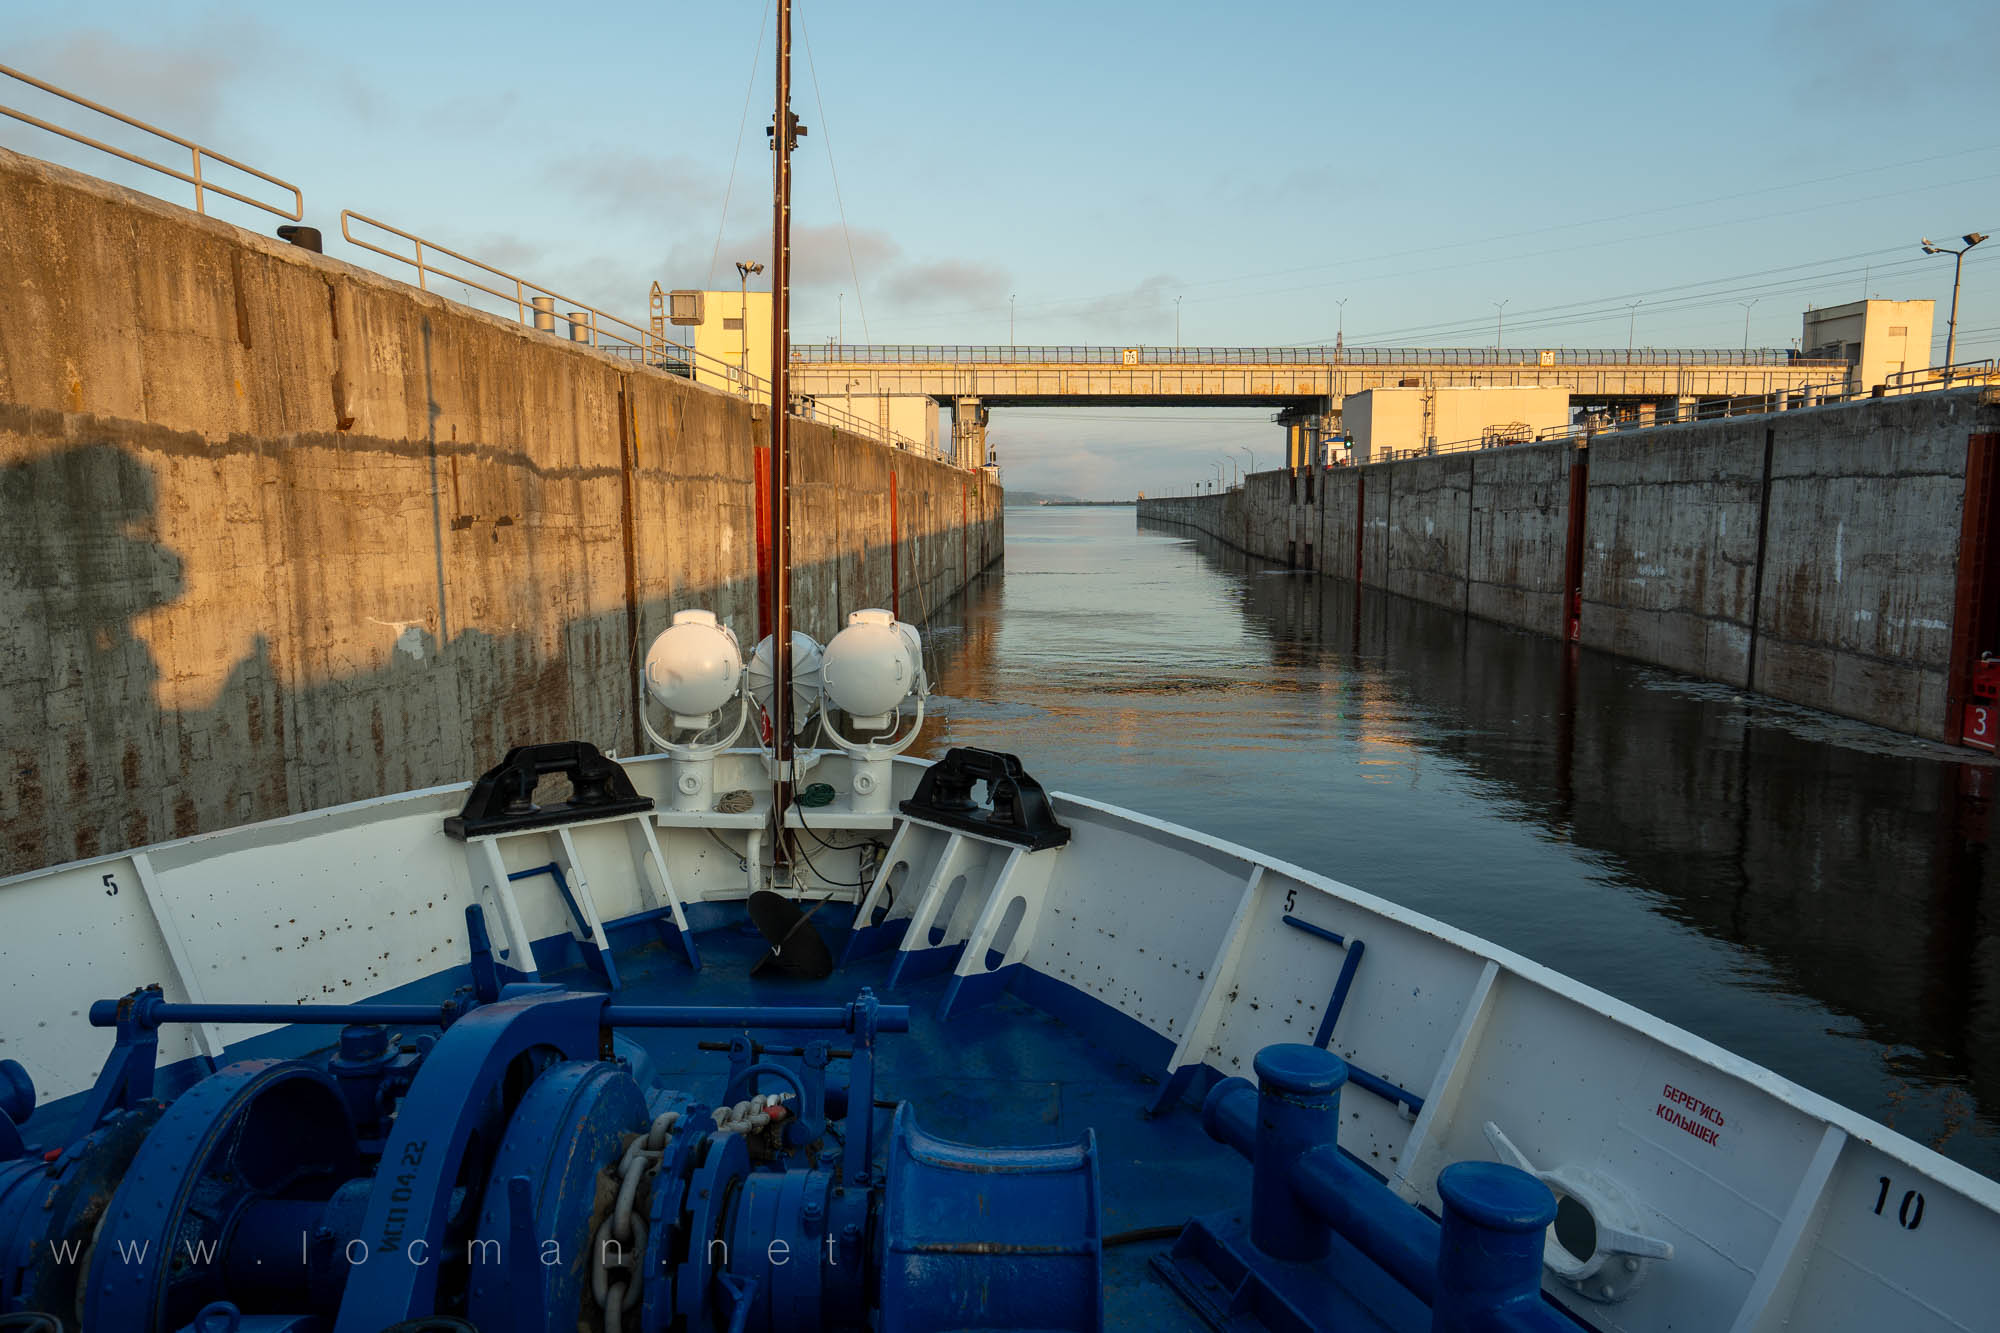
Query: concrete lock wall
(276, 532)
(1811, 555)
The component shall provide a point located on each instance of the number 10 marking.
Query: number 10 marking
(1911, 1214)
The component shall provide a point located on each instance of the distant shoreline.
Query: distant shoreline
(1070, 504)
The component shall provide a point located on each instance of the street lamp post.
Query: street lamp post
(1177, 323)
(744, 268)
(1246, 449)
(1746, 319)
(1971, 239)
(1010, 319)
(1499, 321)
(1631, 327)
(1340, 327)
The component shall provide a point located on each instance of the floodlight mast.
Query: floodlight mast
(1971, 239)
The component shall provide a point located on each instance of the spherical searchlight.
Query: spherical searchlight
(695, 667)
(694, 670)
(806, 654)
(871, 667)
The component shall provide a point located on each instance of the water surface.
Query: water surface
(1815, 894)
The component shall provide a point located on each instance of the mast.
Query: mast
(783, 134)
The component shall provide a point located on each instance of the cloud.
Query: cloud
(1858, 56)
(640, 185)
(180, 87)
(948, 279)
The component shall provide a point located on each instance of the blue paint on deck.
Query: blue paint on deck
(1025, 1059)
(970, 991)
(913, 965)
(871, 940)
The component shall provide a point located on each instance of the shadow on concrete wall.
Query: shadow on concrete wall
(96, 764)
(78, 567)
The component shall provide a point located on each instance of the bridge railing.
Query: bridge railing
(197, 155)
(838, 353)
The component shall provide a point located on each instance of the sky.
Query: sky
(1258, 174)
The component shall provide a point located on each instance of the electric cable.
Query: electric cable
(826, 137)
(749, 88)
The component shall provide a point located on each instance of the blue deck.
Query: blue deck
(1003, 1073)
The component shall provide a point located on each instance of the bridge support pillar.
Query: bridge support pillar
(968, 432)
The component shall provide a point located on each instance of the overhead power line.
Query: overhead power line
(826, 137)
(749, 88)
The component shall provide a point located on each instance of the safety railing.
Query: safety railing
(810, 408)
(546, 309)
(197, 155)
(1964, 374)
(837, 353)
(1958, 374)
(532, 302)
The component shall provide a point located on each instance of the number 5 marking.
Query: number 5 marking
(110, 887)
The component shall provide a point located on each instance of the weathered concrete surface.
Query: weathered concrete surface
(1670, 546)
(1520, 524)
(1339, 522)
(276, 532)
(1841, 597)
(1427, 516)
(1860, 562)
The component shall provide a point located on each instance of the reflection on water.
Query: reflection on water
(1816, 895)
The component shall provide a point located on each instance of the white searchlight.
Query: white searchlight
(806, 655)
(870, 670)
(694, 670)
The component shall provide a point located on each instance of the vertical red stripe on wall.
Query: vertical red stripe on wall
(895, 552)
(762, 468)
(1975, 621)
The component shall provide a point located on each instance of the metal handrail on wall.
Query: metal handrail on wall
(1962, 374)
(202, 186)
(596, 328)
(587, 323)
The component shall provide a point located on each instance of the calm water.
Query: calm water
(1819, 896)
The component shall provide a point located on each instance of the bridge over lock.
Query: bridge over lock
(1306, 386)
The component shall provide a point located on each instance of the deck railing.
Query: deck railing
(197, 155)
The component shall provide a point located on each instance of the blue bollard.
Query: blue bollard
(1298, 1109)
(1490, 1250)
